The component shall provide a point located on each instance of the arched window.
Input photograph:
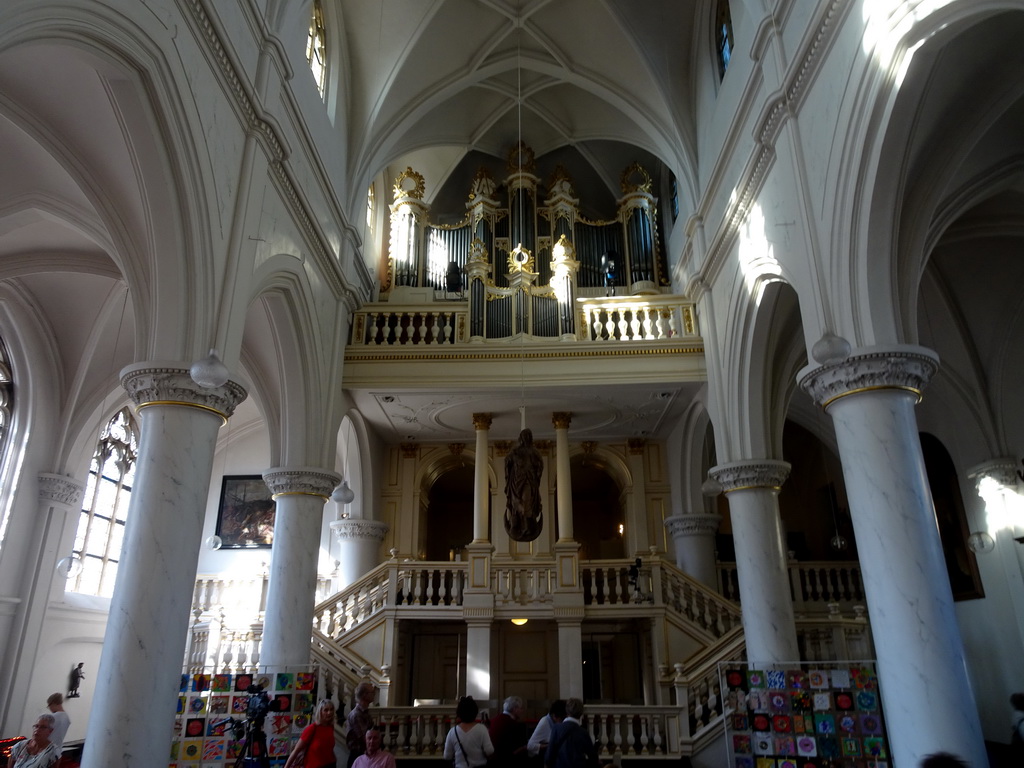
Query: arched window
(316, 48)
(371, 209)
(724, 44)
(105, 506)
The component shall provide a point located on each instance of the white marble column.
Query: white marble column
(761, 565)
(478, 655)
(481, 487)
(563, 475)
(300, 494)
(149, 612)
(570, 652)
(929, 705)
(358, 547)
(694, 539)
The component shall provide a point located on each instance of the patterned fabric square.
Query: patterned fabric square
(278, 724)
(200, 683)
(787, 762)
(735, 678)
(840, 678)
(822, 702)
(742, 744)
(801, 701)
(796, 679)
(785, 746)
(824, 725)
(828, 747)
(304, 681)
(300, 721)
(779, 701)
(766, 762)
(214, 750)
(776, 679)
(803, 724)
(817, 678)
(740, 723)
(844, 701)
(782, 724)
(846, 723)
(285, 681)
(864, 678)
(219, 705)
(761, 722)
(279, 747)
(755, 678)
(191, 750)
(757, 700)
(806, 746)
(242, 683)
(217, 727)
(870, 725)
(302, 702)
(239, 704)
(762, 744)
(851, 747)
(867, 701)
(875, 747)
(221, 683)
(745, 762)
(194, 727)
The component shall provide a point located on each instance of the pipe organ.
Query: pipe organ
(521, 263)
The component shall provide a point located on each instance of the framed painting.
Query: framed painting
(245, 518)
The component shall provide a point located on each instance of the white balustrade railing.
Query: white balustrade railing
(636, 318)
(813, 584)
(385, 324)
(608, 318)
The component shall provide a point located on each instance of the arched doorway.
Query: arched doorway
(598, 519)
(449, 515)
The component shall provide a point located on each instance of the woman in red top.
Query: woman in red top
(316, 744)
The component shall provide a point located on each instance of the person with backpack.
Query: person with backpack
(570, 746)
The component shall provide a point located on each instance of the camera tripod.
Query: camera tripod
(254, 743)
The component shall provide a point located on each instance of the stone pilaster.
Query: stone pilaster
(694, 539)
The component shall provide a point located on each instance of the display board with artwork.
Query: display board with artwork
(220, 715)
(818, 715)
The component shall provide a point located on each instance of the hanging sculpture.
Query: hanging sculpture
(523, 468)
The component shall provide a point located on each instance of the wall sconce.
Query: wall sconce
(519, 622)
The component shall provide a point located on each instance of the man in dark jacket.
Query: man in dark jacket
(570, 746)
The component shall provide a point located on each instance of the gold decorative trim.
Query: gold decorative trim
(223, 415)
(419, 186)
(875, 387)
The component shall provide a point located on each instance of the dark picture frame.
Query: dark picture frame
(245, 516)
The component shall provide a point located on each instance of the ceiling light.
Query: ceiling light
(519, 622)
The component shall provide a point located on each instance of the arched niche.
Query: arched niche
(598, 509)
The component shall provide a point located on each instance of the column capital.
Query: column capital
(301, 481)
(61, 490)
(768, 474)
(904, 367)
(692, 525)
(561, 419)
(149, 384)
(1003, 471)
(482, 421)
(363, 530)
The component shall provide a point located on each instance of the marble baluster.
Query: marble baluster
(300, 494)
(150, 608)
(926, 693)
(694, 539)
(768, 621)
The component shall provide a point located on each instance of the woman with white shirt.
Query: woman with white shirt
(468, 742)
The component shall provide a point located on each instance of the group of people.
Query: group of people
(315, 748)
(43, 748)
(558, 741)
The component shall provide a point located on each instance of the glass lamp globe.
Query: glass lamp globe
(214, 542)
(838, 542)
(343, 494)
(980, 542)
(209, 372)
(70, 566)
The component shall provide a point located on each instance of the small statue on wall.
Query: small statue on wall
(523, 468)
(75, 680)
